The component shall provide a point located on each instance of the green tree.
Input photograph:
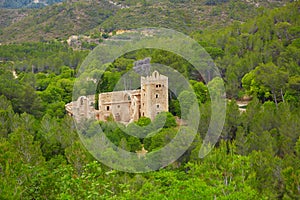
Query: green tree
(6, 116)
(28, 150)
(77, 156)
(164, 120)
(187, 100)
(272, 77)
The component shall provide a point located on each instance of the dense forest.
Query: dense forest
(256, 157)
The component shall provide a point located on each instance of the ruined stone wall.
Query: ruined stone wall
(118, 105)
(82, 108)
(125, 106)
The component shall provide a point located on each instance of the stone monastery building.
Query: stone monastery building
(125, 106)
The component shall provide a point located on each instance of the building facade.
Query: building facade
(125, 106)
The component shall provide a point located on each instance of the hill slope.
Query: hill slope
(26, 3)
(184, 15)
(10, 16)
(78, 17)
(58, 21)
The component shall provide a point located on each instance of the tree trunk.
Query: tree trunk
(275, 99)
(282, 94)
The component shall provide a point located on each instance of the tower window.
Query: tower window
(156, 96)
(157, 106)
(107, 107)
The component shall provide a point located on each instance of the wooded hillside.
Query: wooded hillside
(257, 155)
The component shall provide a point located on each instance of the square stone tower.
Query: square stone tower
(154, 95)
